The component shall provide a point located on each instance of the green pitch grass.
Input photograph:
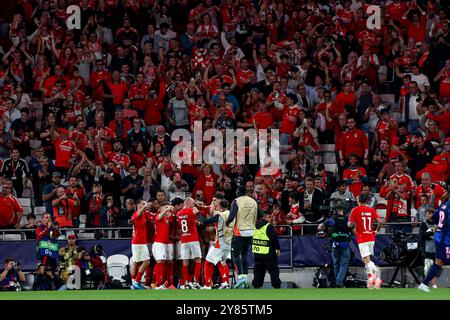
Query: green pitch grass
(236, 295)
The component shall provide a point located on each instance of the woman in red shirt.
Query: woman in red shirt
(207, 182)
(434, 135)
(40, 72)
(66, 58)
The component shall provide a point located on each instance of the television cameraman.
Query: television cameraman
(337, 227)
(47, 234)
(11, 276)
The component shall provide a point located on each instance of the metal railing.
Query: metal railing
(64, 231)
(108, 232)
(290, 234)
(384, 225)
(3, 232)
(291, 244)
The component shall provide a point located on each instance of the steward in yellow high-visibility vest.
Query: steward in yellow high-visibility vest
(266, 249)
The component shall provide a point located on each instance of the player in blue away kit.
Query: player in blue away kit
(441, 217)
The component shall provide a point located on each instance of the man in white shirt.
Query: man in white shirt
(10, 114)
(163, 36)
(421, 79)
(410, 112)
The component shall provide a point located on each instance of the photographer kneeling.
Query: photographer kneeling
(340, 236)
(91, 265)
(45, 279)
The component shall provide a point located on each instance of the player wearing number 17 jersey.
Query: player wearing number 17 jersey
(190, 246)
(362, 218)
(441, 217)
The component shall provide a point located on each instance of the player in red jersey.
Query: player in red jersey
(162, 247)
(139, 244)
(172, 266)
(190, 245)
(362, 218)
(150, 224)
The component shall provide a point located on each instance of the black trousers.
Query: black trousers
(239, 251)
(259, 272)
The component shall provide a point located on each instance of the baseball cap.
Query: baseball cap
(56, 174)
(71, 236)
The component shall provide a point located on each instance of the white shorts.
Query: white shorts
(170, 252)
(216, 255)
(178, 250)
(191, 250)
(162, 251)
(140, 252)
(366, 249)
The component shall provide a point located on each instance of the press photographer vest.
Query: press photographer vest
(47, 246)
(340, 230)
(260, 241)
(246, 216)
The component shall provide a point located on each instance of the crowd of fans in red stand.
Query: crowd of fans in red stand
(112, 92)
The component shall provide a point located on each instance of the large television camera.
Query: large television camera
(403, 251)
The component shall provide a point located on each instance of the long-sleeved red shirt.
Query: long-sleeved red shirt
(354, 141)
(443, 121)
(42, 231)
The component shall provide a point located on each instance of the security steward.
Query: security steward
(266, 249)
(340, 237)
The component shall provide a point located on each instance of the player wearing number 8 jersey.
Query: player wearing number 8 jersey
(190, 246)
(441, 217)
(362, 218)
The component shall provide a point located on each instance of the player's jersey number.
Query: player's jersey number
(441, 219)
(367, 221)
(184, 225)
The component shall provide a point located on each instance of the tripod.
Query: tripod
(403, 271)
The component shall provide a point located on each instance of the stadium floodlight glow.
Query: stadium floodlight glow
(233, 146)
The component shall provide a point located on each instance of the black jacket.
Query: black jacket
(274, 244)
(420, 157)
(317, 201)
